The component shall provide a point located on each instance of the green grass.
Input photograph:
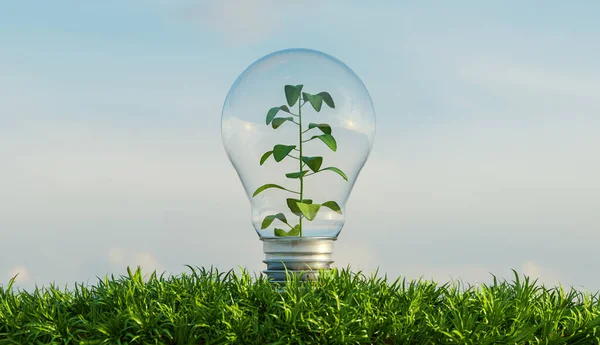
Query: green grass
(211, 307)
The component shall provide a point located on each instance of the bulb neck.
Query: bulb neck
(303, 256)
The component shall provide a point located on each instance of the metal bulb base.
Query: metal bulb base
(302, 256)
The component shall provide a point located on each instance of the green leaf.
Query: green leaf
(309, 210)
(328, 139)
(273, 111)
(314, 163)
(280, 232)
(293, 205)
(315, 100)
(281, 151)
(333, 206)
(325, 128)
(292, 93)
(280, 120)
(295, 231)
(297, 174)
(265, 157)
(336, 170)
(269, 219)
(327, 99)
(266, 186)
(271, 114)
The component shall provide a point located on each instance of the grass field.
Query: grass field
(210, 307)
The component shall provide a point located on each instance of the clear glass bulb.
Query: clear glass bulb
(298, 126)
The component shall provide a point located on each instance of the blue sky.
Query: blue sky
(485, 158)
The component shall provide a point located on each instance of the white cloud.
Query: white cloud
(513, 148)
(240, 20)
(71, 167)
(542, 274)
(115, 255)
(130, 257)
(545, 82)
(441, 273)
(22, 272)
(148, 262)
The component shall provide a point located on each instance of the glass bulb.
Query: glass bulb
(298, 126)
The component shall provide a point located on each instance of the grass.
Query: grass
(210, 307)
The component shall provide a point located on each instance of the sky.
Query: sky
(485, 158)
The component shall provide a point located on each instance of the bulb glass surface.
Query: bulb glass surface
(247, 137)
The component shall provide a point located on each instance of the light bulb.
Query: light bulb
(298, 126)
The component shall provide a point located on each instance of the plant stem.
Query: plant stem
(301, 178)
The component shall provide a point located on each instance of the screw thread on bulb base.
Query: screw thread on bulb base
(303, 256)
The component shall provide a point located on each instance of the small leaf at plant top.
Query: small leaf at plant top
(265, 157)
(315, 100)
(327, 99)
(333, 206)
(325, 128)
(314, 163)
(309, 210)
(269, 219)
(281, 151)
(292, 93)
(328, 139)
(295, 231)
(278, 121)
(293, 205)
(266, 186)
(297, 174)
(280, 232)
(336, 170)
